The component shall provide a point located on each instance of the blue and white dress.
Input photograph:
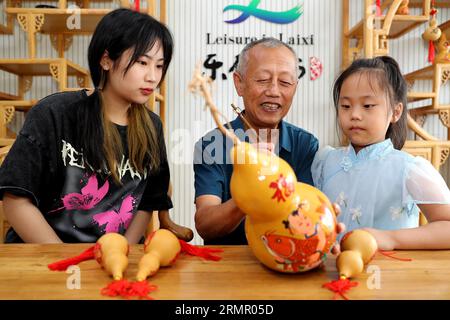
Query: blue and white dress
(379, 187)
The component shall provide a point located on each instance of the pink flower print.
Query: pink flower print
(114, 219)
(89, 197)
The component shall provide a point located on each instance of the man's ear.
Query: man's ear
(106, 62)
(238, 83)
(398, 110)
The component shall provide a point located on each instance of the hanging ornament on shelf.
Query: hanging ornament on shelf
(403, 9)
(378, 8)
(431, 34)
(137, 5)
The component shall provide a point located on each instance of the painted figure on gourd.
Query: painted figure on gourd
(290, 226)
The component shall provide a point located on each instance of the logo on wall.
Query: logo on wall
(283, 17)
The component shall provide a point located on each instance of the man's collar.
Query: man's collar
(285, 138)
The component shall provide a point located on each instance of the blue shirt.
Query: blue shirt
(213, 168)
(378, 187)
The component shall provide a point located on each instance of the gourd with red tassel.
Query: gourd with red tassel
(110, 251)
(358, 247)
(161, 250)
(431, 34)
(112, 254)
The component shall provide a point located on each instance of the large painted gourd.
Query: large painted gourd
(290, 226)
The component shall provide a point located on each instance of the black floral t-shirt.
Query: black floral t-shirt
(46, 165)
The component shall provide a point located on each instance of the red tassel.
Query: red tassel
(64, 264)
(136, 5)
(116, 288)
(431, 51)
(125, 289)
(206, 253)
(378, 8)
(142, 289)
(340, 287)
(390, 254)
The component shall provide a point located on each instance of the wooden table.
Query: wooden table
(24, 275)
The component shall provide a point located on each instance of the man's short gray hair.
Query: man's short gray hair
(266, 42)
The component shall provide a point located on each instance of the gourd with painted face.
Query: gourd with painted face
(290, 226)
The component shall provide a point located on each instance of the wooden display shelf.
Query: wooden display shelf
(431, 148)
(6, 142)
(445, 27)
(401, 24)
(435, 151)
(425, 73)
(19, 105)
(439, 74)
(6, 29)
(7, 96)
(438, 3)
(61, 21)
(40, 67)
(419, 96)
(59, 69)
(372, 33)
(62, 4)
(56, 20)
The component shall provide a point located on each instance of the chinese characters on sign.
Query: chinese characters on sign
(214, 65)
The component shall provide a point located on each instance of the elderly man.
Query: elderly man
(266, 79)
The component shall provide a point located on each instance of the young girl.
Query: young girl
(87, 163)
(379, 187)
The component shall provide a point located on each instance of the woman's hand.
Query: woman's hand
(384, 238)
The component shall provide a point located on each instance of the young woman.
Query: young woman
(88, 163)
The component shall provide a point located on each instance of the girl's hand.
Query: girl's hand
(339, 229)
(384, 238)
